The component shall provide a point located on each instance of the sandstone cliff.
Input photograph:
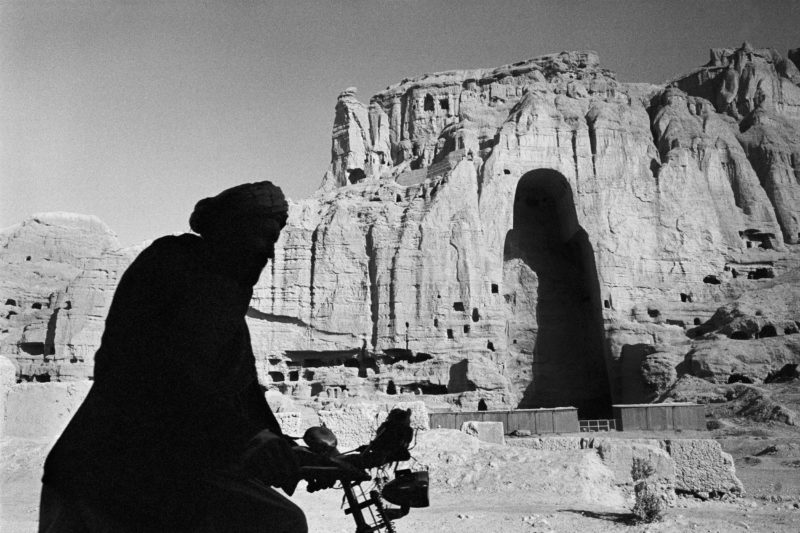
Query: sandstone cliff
(538, 234)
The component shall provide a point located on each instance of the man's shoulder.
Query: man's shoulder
(184, 242)
(171, 250)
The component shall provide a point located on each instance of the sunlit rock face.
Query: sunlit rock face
(59, 271)
(533, 235)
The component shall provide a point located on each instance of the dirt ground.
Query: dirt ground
(509, 490)
(773, 486)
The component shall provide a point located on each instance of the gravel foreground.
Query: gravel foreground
(538, 492)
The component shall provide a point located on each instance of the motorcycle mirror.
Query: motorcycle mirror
(321, 440)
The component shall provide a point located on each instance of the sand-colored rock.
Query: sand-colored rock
(42, 409)
(8, 377)
(291, 423)
(356, 423)
(491, 432)
(618, 455)
(702, 466)
(459, 463)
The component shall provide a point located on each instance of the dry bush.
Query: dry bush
(650, 504)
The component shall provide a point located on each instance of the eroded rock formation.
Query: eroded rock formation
(539, 234)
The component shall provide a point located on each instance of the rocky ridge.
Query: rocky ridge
(539, 234)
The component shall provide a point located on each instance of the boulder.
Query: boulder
(491, 432)
(419, 414)
(291, 423)
(619, 456)
(353, 425)
(702, 466)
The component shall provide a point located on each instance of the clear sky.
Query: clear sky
(134, 110)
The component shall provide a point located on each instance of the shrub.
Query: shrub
(650, 504)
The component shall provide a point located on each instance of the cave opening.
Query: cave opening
(564, 325)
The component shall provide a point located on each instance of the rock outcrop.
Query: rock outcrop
(695, 466)
(539, 234)
(59, 275)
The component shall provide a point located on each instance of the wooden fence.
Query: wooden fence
(660, 416)
(538, 421)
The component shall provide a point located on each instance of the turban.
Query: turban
(261, 199)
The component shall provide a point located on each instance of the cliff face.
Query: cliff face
(539, 234)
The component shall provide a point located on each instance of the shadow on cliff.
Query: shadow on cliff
(569, 367)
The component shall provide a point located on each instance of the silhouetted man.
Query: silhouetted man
(175, 434)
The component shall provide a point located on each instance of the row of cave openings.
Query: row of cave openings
(35, 306)
(301, 368)
(429, 104)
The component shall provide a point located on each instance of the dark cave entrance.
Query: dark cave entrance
(565, 330)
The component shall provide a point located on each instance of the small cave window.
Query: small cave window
(11, 301)
(515, 341)
(466, 328)
(356, 175)
(10, 314)
(768, 331)
(308, 375)
(398, 198)
(653, 313)
(490, 346)
(428, 104)
(36, 305)
(32, 348)
(475, 314)
(506, 171)
(406, 325)
(495, 288)
(740, 335)
(42, 378)
(449, 333)
(436, 322)
(790, 330)
(697, 321)
(761, 273)
(444, 104)
(294, 375)
(711, 280)
(67, 305)
(686, 298)
(458, 306)
(391, 388)
(274, 361)
(734, 273)
(28, 258)
(276, 377)
(606, 304)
